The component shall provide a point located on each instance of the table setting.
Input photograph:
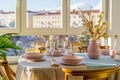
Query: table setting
(30, 68)
(38, 66)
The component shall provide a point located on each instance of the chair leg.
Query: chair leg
(116, 77)
(66, 76)
(109, 78)
(2, 73)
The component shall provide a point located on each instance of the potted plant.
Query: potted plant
(6, 42)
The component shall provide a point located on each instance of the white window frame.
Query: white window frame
(43, 31)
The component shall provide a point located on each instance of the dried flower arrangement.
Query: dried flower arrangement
(94, 24)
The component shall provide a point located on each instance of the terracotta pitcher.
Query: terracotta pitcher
(93, 50)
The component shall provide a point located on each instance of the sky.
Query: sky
(9, 5)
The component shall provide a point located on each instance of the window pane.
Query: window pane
(82, 5)
(7, 14)
(43, 14)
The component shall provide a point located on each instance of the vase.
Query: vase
(93, 50)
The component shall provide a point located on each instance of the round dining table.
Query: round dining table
(42, 70)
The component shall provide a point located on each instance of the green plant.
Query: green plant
(6, 42)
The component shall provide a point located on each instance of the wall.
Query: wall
(115, 17)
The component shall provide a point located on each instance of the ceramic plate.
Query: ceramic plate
(35, 60)
(81, 63)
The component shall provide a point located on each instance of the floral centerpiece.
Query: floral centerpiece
(94, 24)
(96, 28)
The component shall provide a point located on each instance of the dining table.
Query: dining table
(42, 70)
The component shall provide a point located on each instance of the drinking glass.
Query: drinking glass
(52, 49)
(47, 47)
(67, 47)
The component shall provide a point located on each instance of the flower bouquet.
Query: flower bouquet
(96, 28)
(94, 24)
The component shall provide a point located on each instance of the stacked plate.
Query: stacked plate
(34, 57)
(72, 60)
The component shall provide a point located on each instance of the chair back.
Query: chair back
(83, 49)
(93, 74)
(6, 72)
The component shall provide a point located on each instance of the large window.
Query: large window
(44, 17)
(43, 14)
(38, 17)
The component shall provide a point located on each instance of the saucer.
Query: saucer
(55, 55)
(68, 64)
(35, 60)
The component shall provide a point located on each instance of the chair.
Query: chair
(84, 48)
(5, 71)
(93, 74)
(76, 46)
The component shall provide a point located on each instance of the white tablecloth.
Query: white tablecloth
(43, 71)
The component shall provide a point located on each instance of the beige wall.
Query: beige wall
(115, 17)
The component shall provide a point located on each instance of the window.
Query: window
(8, 21)
(76, 6)
(39, 16)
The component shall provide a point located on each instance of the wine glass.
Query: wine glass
(67, 47)
(52, 49)
(47, 47)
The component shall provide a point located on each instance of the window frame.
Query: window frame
(37, 31)
(21, 21)
(65, 21)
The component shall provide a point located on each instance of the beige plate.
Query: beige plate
(81, 63)
(35, 60)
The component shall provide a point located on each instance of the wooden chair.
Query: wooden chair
(93, 74)
(5, 71)
(84, 48)
(76, 46)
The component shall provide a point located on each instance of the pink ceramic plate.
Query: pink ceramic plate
(54, 55)
(35, 60)
(68, 64)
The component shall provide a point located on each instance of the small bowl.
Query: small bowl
(33, 56)
(72, 59)
(56, 53)
(105, 51)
